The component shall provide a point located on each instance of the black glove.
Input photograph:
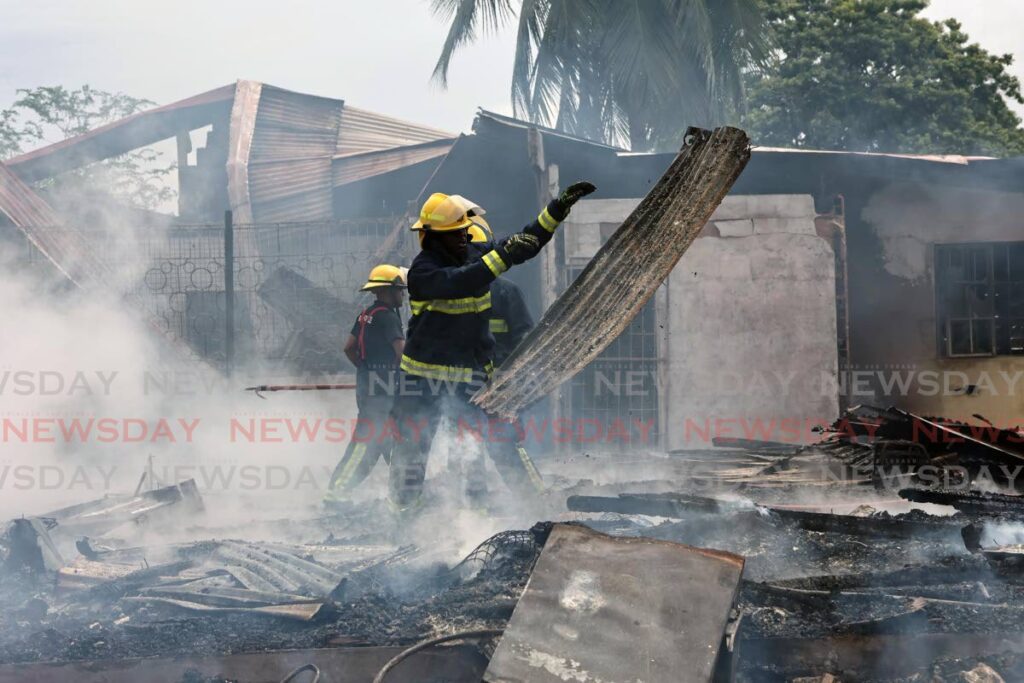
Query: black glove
(574, 193)
(518, 248)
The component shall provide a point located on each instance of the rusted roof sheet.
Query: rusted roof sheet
(365, 131)
(303, 146)
(293, 141)
(347, 169)
(287, 150)
(21, 204)
(138, 130)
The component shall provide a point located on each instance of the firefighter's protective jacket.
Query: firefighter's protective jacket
(510, 317)
(449, 336)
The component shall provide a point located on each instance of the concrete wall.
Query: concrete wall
(748, 319)
(892, 236)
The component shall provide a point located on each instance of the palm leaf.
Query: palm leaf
(531, 18)
(618, 70)
(467, 18)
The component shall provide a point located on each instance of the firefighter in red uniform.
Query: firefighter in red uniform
(375, 348)
(449, 351)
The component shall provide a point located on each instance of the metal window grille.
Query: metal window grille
(619, 389)
(980, 295)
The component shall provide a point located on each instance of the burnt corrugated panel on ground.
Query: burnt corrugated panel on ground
(894, 439)
(970, 502)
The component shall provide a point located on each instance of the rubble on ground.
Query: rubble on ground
(842, 576)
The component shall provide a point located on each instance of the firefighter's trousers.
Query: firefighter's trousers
(417, 412)
(369, 443)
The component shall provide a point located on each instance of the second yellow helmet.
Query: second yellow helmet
(385, 275)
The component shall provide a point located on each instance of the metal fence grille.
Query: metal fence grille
(295, 289)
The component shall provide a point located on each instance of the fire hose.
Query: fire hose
(400, 657)
(260, 389)
(312, 668)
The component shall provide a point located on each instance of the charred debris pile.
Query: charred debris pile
(93, 582)
(874, 555)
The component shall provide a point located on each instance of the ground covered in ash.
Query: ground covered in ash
(37, 624)
(799, 585)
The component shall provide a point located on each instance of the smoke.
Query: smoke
(88, 394)
(91, 399)
(997, 534)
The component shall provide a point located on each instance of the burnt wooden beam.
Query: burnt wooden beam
(658, 505)
(970, 502)
(881, 527)
(681, 506)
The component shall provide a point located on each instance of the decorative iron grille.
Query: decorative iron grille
(295, 289)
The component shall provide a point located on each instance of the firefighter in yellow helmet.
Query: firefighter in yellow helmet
(374, 347)
(449, 350)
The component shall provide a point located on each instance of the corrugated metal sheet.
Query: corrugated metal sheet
(67, 248)
(281, 143)
(347, 169)
(292, 125)
(304, 146)
(280, 161)
(21, 204)
(240, 134)
(623, 275)
(290, 209)
(288, 109)
(290, 161)
(270, 180)
(365, 131)
(70, 251)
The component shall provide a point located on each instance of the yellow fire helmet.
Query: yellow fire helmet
(480, 231)
(385, 275)
(447, 212)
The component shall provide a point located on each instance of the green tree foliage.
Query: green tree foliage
(46, 114)
(873, 75)
(620, 71)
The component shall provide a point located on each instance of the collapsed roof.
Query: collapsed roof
(283, 152)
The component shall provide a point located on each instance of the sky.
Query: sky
(374, 54)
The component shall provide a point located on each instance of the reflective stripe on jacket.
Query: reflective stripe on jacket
(449, 335)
